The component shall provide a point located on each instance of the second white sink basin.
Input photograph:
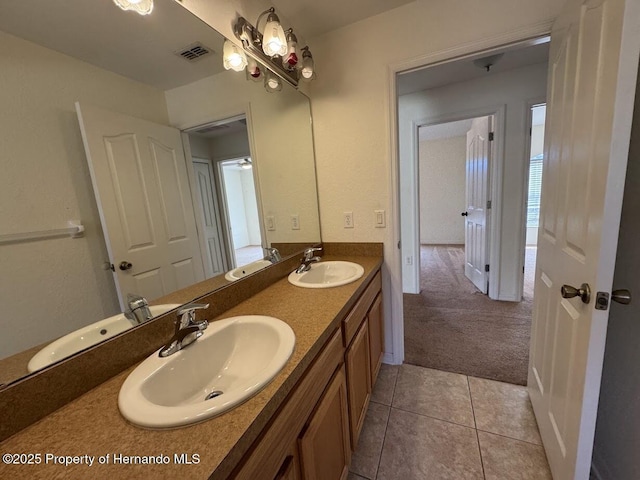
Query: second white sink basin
(241, 272)
(232, 361)
(88, 336)
(327, 274)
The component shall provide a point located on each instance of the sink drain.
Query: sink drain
(214, 394)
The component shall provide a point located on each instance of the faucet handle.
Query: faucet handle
(308, 252)
(187, 314)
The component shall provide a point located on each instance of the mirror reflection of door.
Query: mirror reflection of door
(223, 165)
(241, 205)
(215, 260)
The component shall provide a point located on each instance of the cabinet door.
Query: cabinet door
(358, 381)
(376, 337)
(324, 445)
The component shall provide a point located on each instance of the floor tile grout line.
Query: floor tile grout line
(384, 439)
(433, 418)
(508, 437)
(484, 475)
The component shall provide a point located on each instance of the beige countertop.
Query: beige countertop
(91, 427)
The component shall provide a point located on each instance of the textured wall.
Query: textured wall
(442, 190)
(52, 287)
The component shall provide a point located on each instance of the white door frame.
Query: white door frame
(496, 167)
(392, 252)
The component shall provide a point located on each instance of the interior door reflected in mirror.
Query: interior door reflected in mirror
(226, 184)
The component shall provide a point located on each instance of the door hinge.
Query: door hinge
(486, 267)
(488, 204)
(491, 136)
(399, 245)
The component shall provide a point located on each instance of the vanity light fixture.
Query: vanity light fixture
(276, 49)
(233, 58)
(143, 7)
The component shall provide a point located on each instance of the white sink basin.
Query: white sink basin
(241, 272)
(237, 356)
(327, 274)
(87, 337)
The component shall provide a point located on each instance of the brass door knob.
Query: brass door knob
(622, 296)
(584, 292)
(125, 265)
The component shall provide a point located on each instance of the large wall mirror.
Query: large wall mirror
(240, 178)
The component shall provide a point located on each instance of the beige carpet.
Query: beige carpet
(451, 326)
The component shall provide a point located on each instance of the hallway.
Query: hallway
(427, 424)
(451, 326)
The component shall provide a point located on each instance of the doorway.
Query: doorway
(449, 324)
(241, 209)
(225, 172)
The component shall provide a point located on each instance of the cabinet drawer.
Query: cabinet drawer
(351, 324)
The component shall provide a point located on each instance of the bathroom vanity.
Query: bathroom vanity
(303, 425)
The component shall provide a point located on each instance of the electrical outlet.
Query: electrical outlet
(409, 260)
(295, 222)
(380, 219)
(271, 223)
(348, 219)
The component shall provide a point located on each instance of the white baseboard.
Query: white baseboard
(390, 359)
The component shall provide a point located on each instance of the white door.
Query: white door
(476, 215)
(214, 263)
(139, 177)
(593, 65)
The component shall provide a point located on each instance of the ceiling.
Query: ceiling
(138, 47)
(312, 18)
(464, 69)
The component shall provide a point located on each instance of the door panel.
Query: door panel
(139, 177)
(477, 191)
(589, 120)
(215, 264)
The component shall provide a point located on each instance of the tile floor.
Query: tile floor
(430, 425)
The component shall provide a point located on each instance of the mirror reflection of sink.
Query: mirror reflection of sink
(87, 337)
(327, 274)
(232, 361)
(241, 272)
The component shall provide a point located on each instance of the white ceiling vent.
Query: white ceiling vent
(194, 52)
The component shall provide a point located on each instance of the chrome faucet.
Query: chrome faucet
(187, 329)
(138, 309)
(272, 254)
(308, 259)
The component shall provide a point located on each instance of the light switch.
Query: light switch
(380, 219)
(271, 223)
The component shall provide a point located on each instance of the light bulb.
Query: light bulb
(308, 69)
(274, 41)
(272, 83)
(233, 57)
(292, 57)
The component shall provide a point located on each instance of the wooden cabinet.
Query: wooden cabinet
(376, 337)
(359, 380)
(290, 468)
(312, 435)
(325, 449)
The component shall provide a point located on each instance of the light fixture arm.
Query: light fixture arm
(251, 39)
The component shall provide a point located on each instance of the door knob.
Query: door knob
(125, 265)
(584, 292)
(464, 214)
(622, 296)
